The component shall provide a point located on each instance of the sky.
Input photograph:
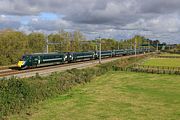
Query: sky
(118, 19)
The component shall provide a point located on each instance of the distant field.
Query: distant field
(114, 96)
(168, 54)
(171, 62)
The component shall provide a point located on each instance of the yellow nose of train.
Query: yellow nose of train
(20, 63)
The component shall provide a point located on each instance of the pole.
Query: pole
(118, 45)
(60, 40)
(99, 50)
(157, 47)
(96, 47)
(149, 47)
(47, 47)
(135, 47)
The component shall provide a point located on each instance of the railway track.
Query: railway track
(4, 73)
(12, 72)
(6, 67)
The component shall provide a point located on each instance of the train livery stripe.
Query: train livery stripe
(85, 56)
(105, 53)
(45, 60)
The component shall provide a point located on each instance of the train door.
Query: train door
(34, 61)
(39, 60)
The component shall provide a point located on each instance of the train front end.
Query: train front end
(22, 63)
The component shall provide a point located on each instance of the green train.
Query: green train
(41, 59)
(79, 56)
(44, 59)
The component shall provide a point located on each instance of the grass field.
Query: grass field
(114, 96)
(171, 62)
(169, 54)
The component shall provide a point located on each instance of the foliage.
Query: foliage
(177, 49)
(12, 45)
(36, 42)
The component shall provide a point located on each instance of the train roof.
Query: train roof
(40, 54)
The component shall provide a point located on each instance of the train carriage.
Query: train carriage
(78, 56)
(119, 52)
(105, 54)
(40, 59)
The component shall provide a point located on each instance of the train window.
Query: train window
(24, 57)
(45, 57)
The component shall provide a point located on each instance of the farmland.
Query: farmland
(169, 54)
(115, 95)
(171, 62)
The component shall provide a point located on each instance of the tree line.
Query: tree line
(13, 44)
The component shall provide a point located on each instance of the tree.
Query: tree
(36, 42)
(12, 45)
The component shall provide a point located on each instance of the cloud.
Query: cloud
(159, 6)
(116, 18)
(164, 23)
(8, 22)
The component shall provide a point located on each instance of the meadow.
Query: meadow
(169, 54)
(116, 95)
(171, 62)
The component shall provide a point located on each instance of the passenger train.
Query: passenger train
(44, 59)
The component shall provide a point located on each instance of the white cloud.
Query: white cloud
(35, 19)
(3, 16)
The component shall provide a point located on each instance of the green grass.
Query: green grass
(114, 96)
(171, 62)
(169, 54)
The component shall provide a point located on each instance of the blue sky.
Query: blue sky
(119, 19)
(42, 16)
(49, 16)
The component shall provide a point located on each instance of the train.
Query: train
(43, 59)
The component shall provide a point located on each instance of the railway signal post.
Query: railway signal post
(149, 47)
(47, 44)
(157, 47)
(135, 47)
(99, 50)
